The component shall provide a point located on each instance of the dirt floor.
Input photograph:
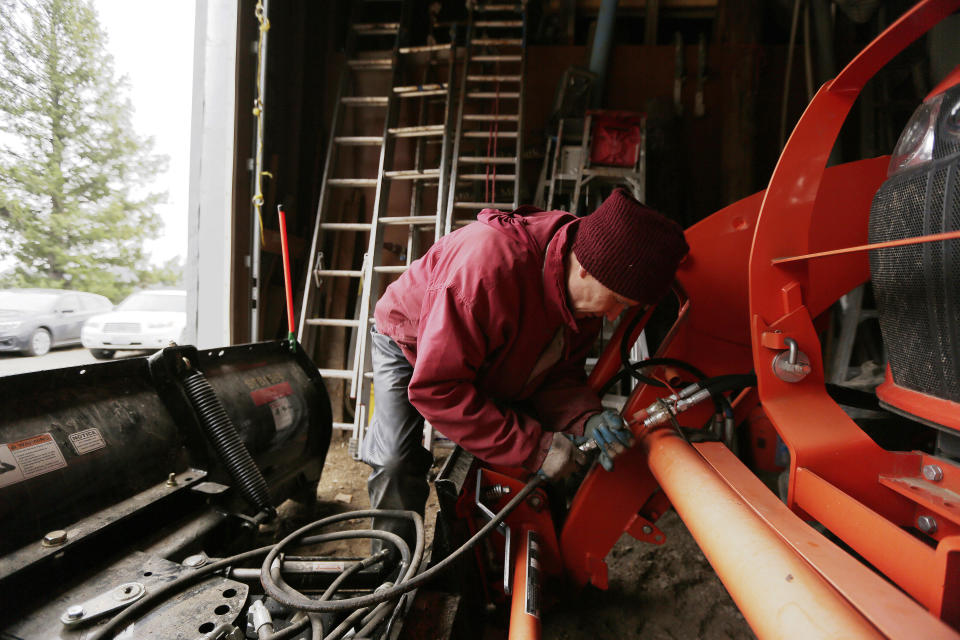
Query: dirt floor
(656, 592)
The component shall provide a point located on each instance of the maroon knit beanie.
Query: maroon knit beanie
(630, 248)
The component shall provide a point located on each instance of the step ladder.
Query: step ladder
(489, 133)
(362, 113)
(573, 171)
(417, 164)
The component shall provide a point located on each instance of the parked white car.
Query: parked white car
(145, 321)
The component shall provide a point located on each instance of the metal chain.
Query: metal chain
(258, 109)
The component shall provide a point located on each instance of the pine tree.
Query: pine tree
(74, 204)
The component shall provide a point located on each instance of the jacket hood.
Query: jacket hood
(527, 224)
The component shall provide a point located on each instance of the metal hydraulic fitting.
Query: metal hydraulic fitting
(257, 617)
(661, 411)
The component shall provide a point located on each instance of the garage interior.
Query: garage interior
(378, 127)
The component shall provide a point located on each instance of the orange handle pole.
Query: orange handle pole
(286, 268)
(903, 242)
(525, 603)
(779, 594)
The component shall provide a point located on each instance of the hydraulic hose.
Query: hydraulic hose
(227, 443)
(183, 581)
(405, 584)
(410, 579)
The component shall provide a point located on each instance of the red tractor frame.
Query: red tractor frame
(750, 289)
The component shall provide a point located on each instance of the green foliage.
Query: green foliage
(75, 208)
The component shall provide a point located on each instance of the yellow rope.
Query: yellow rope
(258, 114)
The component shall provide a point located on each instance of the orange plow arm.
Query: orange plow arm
(776, 588)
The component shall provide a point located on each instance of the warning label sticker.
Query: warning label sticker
(282, 413)
(36, 456)
(87, 441)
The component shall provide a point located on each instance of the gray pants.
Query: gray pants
(392, 446)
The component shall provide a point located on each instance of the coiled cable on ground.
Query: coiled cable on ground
(407, 582)
(409, 578)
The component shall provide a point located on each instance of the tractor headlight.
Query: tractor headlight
(915, 146)
(951, 122)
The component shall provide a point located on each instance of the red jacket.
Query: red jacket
(498, 358)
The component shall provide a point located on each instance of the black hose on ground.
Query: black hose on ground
(405, 583)
(409, 580)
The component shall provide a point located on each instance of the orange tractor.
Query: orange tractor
(747, 351)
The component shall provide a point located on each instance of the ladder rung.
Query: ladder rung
(342, 374)
(416, 132)
(345, 226)
(422, 94)
(500, 58)
(459, 222)
(420, 88)
(397, 269)
(506, 95)
(486, 160)
(498, 7)
(498, 23)
(332, 322)
(480, 176)
(489, 117)
(499, 78)
(398, 220)
(365, 101)
(503, 206)
(493, 42)
(343, 426)
(358, 140)
(352, 182)
(376, 28)
(486, 134)
(425, 48)
(339, 273)
(412, 174)
(371, 64)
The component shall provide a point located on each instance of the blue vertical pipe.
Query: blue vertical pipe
(602, 42)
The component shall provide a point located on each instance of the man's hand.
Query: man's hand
(562, 459)
(611, 434)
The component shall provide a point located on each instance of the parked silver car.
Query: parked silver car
(33, 320)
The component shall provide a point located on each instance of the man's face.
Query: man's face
(589, 298)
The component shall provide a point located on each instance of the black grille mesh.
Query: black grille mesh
(917, 286)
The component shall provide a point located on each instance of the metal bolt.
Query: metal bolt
(75, 612)
(172, 480)
(927, 524)
(195, 561)
(647, 529)
(128, 591)
(535, 502)
(55, 538)
(932, 472)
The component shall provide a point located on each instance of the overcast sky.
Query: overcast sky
(152, 44)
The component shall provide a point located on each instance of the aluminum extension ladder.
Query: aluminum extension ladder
(489, 134)
(430, 170)
(421, 143)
